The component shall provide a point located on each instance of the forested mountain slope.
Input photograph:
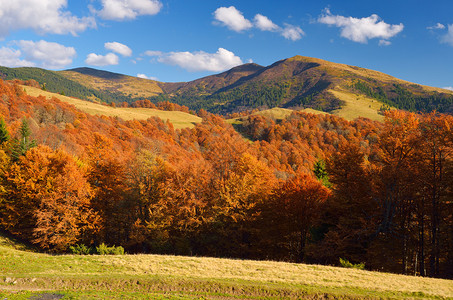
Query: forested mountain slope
(297, 82)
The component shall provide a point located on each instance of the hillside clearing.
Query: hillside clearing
(177, 118)
(275, 114)
(357, 106)
(278, 113)
(23, 274)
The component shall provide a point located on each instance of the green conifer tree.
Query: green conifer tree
(22, 144)
(321, 174)
(4, 134)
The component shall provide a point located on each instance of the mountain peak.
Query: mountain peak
(248, 67)
(97, 73)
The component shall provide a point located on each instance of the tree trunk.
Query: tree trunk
(303, 238)
(421, 241)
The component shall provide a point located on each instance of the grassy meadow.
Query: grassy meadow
(177, 118)
(278, 113)
(127, 85)
(25, 274)
(275, 114)
(357, 106)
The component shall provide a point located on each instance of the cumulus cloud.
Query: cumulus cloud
(102, 60)
(202, 61)
(292, 32)
(448, 88)
(31, 54)
(437, 26)
(153, 53)
(119, 10)
(232, 18)
(118, 48)
(146, 77)
(12, 58)
(265, 24)
(361, 30)
(48, 54)
(448, 37)
(43, 16)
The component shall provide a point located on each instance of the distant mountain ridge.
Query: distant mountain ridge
(297, 82)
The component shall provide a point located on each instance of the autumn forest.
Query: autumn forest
(309, 188)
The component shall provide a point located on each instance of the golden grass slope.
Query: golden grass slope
(357, 106)
(343, 70)
(177, 118)
(276, 113)
(147, 276)
(129, 86)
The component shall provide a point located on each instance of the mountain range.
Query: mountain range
(298, 82)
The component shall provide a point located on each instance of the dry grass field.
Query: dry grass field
(275, 113)
(278, 113)
(177, 118)
(24, 274)
(127, 85)
(357, 106)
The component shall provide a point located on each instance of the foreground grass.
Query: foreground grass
(179, 119)
(26, 274)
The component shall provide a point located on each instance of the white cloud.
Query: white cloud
(292, 32)
(102, 60)
(202, 61)
(232, 18)
(48, 54)
(265, 24)
(43, 16)
(128, 9)
(146, 77)
(118, 48)
(448, 37)
(153, 53)
(12, 58)
(448, 88)
(384, 43)
(361, 30)
(31, 54)
(437, 26)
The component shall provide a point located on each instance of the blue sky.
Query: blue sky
(181, 40)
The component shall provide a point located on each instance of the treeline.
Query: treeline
(401, 97)
(53, 82)
(48, 80)
(310, 188)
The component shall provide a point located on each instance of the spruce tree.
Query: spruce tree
(4, 134)
(321, 174)
(23, 143)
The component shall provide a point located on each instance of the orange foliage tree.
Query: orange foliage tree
(295, 207)
(48, 199)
